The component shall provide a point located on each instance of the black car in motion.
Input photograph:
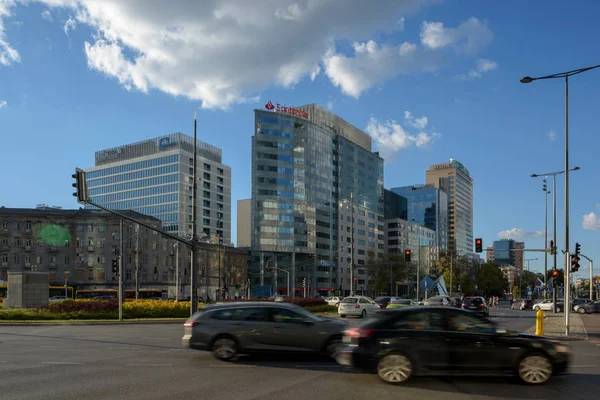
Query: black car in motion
(476, 305)
(409, 341)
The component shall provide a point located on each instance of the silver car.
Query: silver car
(240, 328)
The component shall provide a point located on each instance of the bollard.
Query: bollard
(539, 323)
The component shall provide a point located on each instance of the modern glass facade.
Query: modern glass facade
(395, 206)
(428, 206)
(154, 177)
(301, 172)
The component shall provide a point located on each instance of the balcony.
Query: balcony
(91, 249)
(27, 230)
(52, 265)
(4, 247)
(5, 264)
(51, 249)
(27, 248)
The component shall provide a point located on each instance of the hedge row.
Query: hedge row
(109, 309)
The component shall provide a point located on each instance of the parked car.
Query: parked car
(548, 305)
(383, 301)
(399, 303)
(522, 304)
(476, 305)
(578, 302)
(400, 343)
(333, 301)
(57, 299)
(440, 301)
(457, 302)
(588, 308)
(360, 306)
(229, 329)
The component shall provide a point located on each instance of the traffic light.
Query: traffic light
(577, 249)
(115, 266)
(554, 273)
(552, 248)
(303, 282)
(478, 245)
(574, 263)
(355, 283)
(407, 255)
(80, 185)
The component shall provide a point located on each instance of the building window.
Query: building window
(16, 226)
(361, 222)
(207, 176)
(219, 180)
(207, 166)
(4, 225)
(220, 171)
(206, 203)
(219, 197)
(90, 228)
(371, 215)
(5, 258)
(27, 242)
(206, 185)
(67, 260)
(17, 241)
(206, 194)
(361, 232)
(206, 213)
(16, 258)
(206, 221)
(28, 225)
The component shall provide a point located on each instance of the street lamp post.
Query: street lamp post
(418, 257)
(553, 175)
(282, 270)
(527, 261)
(565, 75)
(351, 244)
(546, 193)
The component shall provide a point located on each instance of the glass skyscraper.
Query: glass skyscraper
(307, 163)
(154, 177)
(454, 179)
(427, 206)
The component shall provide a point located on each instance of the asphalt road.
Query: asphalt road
(147, 362)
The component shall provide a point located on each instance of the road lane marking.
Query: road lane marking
(149, 365)
(231, 366)
(62, 363)
(154, 338)
(583, 366)
(3, 362)
(318, 366)
(49, 346)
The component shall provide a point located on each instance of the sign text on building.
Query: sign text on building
(286, 109)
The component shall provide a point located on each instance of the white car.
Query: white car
(333, 301)
(548, 305)
(57, 299)
(360, 306)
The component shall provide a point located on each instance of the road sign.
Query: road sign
(538, 283)
(538, 289)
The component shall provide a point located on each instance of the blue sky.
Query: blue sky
(76, 77)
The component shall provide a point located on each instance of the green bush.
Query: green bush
(324, 308)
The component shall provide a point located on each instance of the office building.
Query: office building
(307, 165)
(502, 253)
(244, 223)
(77, 247)
(154, 177)
(454, 179)
(427, 206)
(401, 235)
(395, 206)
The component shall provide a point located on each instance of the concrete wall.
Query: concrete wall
(27, 289)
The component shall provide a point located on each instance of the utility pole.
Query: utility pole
(546, 193)
(121, 293)
(451, 273)
(193, 272)
(177, 287)
(137, 261)
(352, 246)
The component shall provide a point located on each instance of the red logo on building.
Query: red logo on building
(269, 106)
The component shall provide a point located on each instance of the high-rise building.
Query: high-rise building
(401, 235)
(428, 207)
(503, 253)
(154, 177)
(454, 179)
(307, 165)
(395, 206)
(244, 223)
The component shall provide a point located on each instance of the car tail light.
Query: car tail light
(357, 306)
(464, 304)
(359, 333)
(190, 324)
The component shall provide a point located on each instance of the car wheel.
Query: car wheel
(224, 348)
(342, 315)
(581, 310)
(363, 313)
(394, 368)
(536, 308)
(535, 369)
(332, 347)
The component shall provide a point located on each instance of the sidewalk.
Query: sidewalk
(554, 326)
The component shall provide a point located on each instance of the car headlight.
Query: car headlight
(560, 348)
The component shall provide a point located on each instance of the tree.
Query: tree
(384, 269)
(491, 281)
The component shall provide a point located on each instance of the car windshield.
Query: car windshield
(350, 300)
(382, 298)
(473, 301)
(401, 302)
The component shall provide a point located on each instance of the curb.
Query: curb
(125, 322)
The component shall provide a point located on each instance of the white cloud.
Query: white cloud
(3, 104)
(552, 136)
(390, 137)
(8, 54)
(482, 66)
(400, 24)
(47, 15)
(591, 222)
(223, 52)
(419, 123)
(373, 64)
(469, 37)
(519, 234)
(330, 105)
(71, 24)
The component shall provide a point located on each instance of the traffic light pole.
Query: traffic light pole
(121, 297)
(567, 291)
(591, 275)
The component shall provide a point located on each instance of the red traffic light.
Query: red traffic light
(554, 273)
(575, 260)
(354, 278)
(478, 241)
(407, 252)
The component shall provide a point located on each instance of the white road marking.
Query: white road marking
(62, 363)
(154, 338)
(49, 346)
(3, 362)
(149, 365)
(318, 366)
(583, 366)
(231, 366)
